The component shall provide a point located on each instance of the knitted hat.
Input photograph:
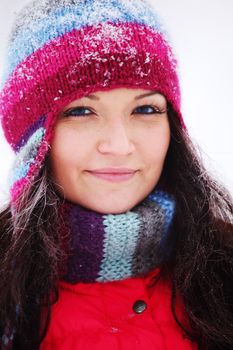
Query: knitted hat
(62, 50)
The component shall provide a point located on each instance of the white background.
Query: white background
(201, 32)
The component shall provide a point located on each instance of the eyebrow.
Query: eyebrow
(93, 97)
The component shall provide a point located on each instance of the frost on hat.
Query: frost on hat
(62, 50)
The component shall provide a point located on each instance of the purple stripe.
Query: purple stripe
(87, 253)
(29, 132)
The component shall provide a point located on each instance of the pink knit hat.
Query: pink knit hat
(63, 50)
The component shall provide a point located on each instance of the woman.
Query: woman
(115, 236)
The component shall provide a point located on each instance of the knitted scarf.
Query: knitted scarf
(110, 247)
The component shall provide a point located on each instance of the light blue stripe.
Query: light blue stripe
(122, 229)
(66, 19)
(167, 203)
(26, 156)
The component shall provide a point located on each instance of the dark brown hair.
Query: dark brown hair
(201, 267)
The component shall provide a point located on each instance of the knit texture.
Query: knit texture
(109, 247)
(63, 50)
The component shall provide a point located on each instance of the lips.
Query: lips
(113, 171)
(113, 174)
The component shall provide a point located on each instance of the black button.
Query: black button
(139, 306)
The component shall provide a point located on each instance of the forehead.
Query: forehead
(128, 93)
(120, 96)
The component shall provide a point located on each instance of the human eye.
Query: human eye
(77, 112)
(148, 109)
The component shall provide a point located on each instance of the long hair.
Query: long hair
(201, 267)
(31, 257)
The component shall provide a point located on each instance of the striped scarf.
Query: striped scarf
(110, 247)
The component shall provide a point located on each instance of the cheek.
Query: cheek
(67, 139)
(156, 147)
(64, 150)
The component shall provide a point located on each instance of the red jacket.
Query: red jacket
(119, 315)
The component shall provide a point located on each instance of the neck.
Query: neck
(109, 247)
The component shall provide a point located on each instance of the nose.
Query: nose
(115, 139)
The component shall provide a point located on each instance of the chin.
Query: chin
(114, 209)
(111, 203)
(111, 209)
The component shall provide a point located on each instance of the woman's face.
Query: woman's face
(108, 150)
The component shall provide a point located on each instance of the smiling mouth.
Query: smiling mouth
(113, 177)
